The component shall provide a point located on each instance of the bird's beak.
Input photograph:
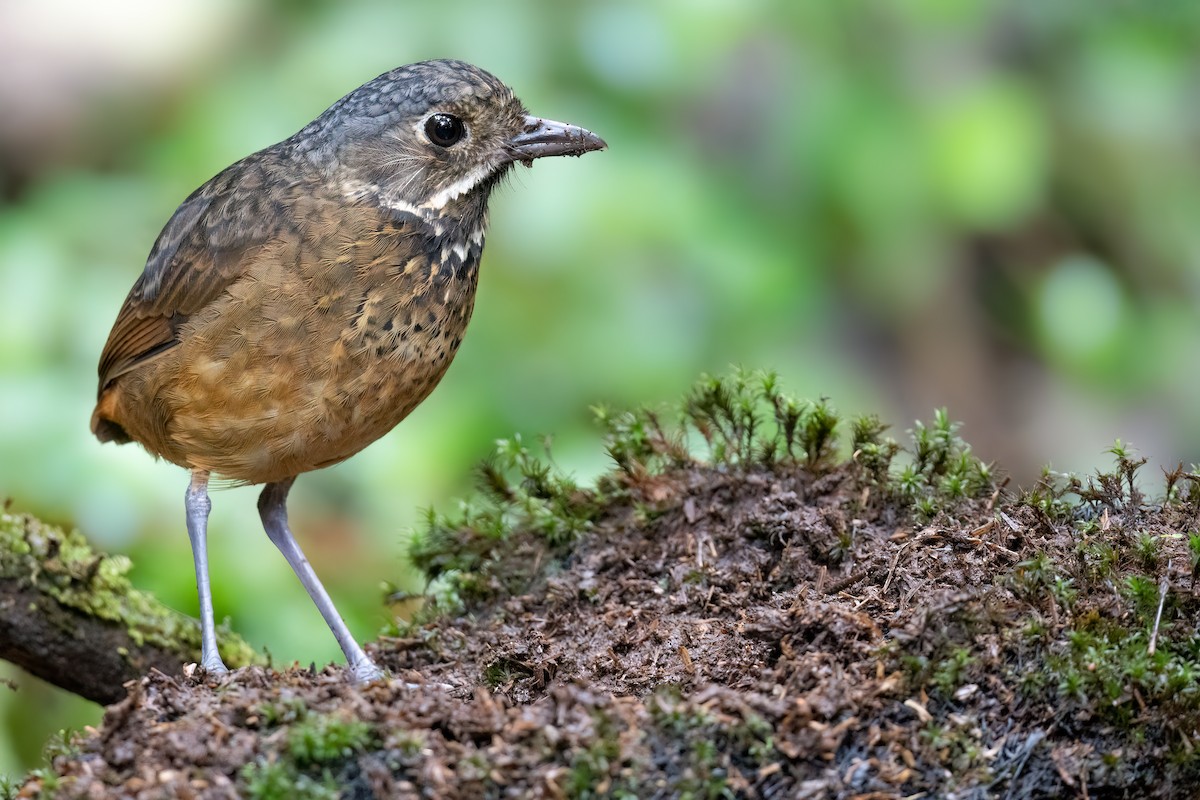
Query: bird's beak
(545, 137)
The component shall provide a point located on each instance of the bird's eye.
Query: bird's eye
(444, 129)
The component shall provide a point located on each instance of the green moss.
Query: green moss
(740, 422)
(1033, 576)
(590, 769)
(275, 780)
(872, 451)
(520, 492)
(707, 748)
(1142, 592)
(943, 471)
(63, 566)
(316, 750)
(951, 672)
(287, 710)
(498, 673)
(327, 738)
(1104, 664)
(1147, 548)
(64, 744)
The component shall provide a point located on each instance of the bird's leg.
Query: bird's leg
(272, 507)
(198, 505)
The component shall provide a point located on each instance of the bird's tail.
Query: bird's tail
(105, 428)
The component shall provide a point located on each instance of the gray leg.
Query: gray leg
(272, 507)
(198, 505)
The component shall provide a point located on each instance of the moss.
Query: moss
(951, 672)
(740, 423)
(318, 751)
(63, 745)
(62, 565)
(707, 749)
(498, 673)
(320, 739)
(588, 776)
(274, 780)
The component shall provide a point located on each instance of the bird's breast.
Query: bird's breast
(323, 348)
(402, 323)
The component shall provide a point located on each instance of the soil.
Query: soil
(758, 632)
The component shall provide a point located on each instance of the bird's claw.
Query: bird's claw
(366, 672)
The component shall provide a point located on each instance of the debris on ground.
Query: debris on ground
(742, 608)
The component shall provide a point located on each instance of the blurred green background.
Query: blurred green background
(992, 206)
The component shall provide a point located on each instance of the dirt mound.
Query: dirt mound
(766, 622)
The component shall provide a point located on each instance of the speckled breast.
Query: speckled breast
(299, 368)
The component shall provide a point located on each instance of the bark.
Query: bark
(70, 616)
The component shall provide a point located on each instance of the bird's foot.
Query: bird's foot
(213, 665)
(365, 671)
(210, 667)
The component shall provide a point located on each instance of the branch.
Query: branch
(70, 616)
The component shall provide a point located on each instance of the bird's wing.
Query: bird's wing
(199, 253)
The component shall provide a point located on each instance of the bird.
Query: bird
(302, 302)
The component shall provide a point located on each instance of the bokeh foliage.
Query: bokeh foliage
(985, 205)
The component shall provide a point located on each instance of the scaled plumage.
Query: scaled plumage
(301, 303)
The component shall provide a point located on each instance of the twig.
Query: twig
(991, 503)
(846, 582)
(1163, 584)
(993, 546)
(892, 569)
(928, 535)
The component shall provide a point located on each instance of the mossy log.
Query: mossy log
(70, 616)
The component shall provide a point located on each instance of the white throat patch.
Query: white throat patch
(457, 189)
(361, 190)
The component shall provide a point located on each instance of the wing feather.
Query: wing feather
(200, 252)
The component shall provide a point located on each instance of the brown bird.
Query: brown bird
(301, 303)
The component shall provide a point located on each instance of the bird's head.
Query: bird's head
(434, 136)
